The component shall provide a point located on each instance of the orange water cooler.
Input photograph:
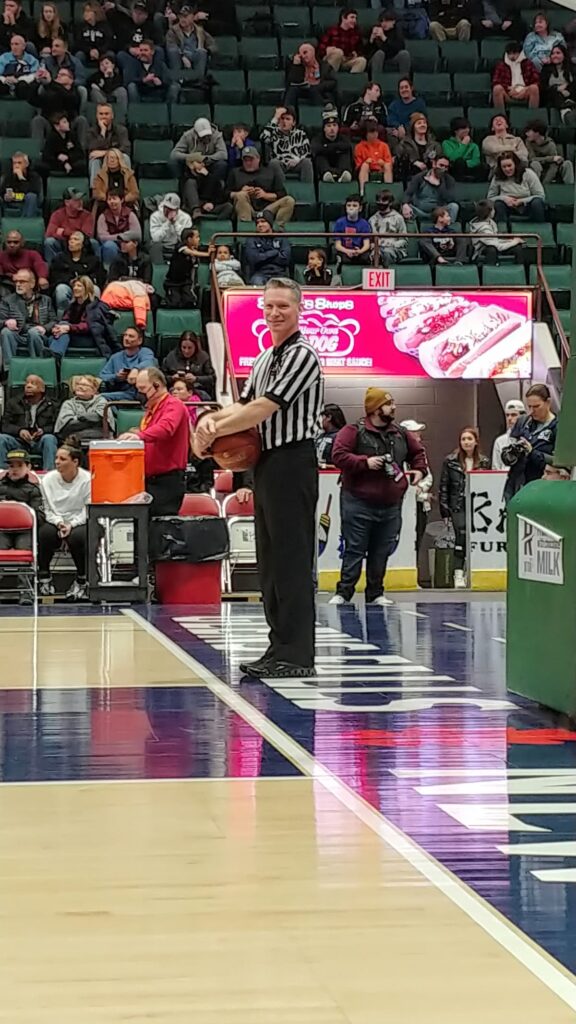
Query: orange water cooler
(117, 470)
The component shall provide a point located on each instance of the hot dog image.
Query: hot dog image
(451, 353)
(420, 329)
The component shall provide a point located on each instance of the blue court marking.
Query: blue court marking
(452, 767)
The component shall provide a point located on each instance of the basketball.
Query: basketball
(237, 451)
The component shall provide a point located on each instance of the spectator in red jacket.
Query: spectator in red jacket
(515, 78)
(69, 217)
(341, 44)
(15, 256)
(371, 455)
(165, 430)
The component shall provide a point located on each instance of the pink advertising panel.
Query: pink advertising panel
(451, 335)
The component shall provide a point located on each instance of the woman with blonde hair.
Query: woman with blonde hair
(73, 326)
(49, 27)
(116, 175)
(93, 35)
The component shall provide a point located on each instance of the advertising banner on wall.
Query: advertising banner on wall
(445, 335)
(486, 515)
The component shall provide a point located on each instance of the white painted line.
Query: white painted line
(455, 625)
(502, 931)
(417, 615)
(150, 782)
(499, 639)
(333, 691)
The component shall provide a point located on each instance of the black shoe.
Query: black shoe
(250, 668)
(284, 670)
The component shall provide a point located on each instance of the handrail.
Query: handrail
(564, 342)
(227, 376)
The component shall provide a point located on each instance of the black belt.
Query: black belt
(162, 476)
(290, 446)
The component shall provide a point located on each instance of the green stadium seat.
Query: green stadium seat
(374, 187)
(208, 228)
(33, 228)
(149, 120)
(545, 232)
(266, 86)
(151, 157)
(314, 237)
(506, 275)
(20, 144)
(15, 116)
(305, 195)
(245, 12)
(170, 323)
(560, 199)
(388, 82)
(292, 21)
(55, 188)
(480, 118)
(74, 366)
(183, 116)
(351, 276)
(473, 89)
(437, 88)
(350, 87)
(227, 115)
(417, 276)
(310, 118)
(259, 54)
(289, 45)
(125, 319)
(230, 87)
(457, 277)
(226, 55)
(21, 366)
(425, 54)
(558, 281)
(159, 272)
(521, 116)
(157, 186)
(439, 119)
(127, 419)
(491, 51)
(565, 236)
(457, 56)
(324, 17)
(332, 196)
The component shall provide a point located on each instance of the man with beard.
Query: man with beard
(371, 455)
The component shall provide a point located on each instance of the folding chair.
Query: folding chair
(15, 516)
(223, 483)
(241, 529)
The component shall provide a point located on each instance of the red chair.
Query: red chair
(240, 518)
(223, 482)
(183, 583)
(199, 505)
(15, 517)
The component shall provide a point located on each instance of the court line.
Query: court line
(548, 971)
(455, 625)
(132, 782)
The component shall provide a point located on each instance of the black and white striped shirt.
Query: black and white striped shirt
(290, 376)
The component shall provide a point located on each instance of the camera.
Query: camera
(513, 453)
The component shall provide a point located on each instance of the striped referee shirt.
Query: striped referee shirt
(290, 376)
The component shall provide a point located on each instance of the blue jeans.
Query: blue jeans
(29, 207)
(130, 394)
(160, 95)
(198, 59)
(427, 214)
(369, 532)
(46, 446)
(35, 343)
(109, 250)
(62, 298)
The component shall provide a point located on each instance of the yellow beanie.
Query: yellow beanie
(375, 398)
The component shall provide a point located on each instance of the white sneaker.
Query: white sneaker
(459, 579)
(380, 602)
(328, 176)
(345, 177)
(338, 599)
(46, 588)
(78, 591)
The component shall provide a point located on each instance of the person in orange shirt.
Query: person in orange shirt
(371, 155)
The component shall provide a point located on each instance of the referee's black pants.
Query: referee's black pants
(286, 493)
(167, 490)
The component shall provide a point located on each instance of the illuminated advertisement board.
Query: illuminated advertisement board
(470, 335)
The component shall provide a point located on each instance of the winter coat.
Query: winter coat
(24, 490)
(285, 146)
(129, 187)
(17, 416)
(100, 321)
(199, 365)
(13, 307)
(452, 492)
(208, 149)
(64, 269)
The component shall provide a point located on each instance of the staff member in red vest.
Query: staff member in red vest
(165, 430)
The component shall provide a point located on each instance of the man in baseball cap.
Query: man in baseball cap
(266, 255)
(16, 485)
(254, 188)
(132, 262)
(371, 455)
(512, 410)
(65, 220)
(167, 224)
(202, 158)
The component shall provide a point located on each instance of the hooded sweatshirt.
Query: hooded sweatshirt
(486, 230)
(382, 223)
(529, 187)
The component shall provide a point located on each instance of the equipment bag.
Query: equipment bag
(189, 539)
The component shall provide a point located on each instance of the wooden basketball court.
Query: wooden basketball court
(229, 895)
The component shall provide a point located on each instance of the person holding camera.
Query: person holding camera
(532, 441)
(371, 455)
(452, 493)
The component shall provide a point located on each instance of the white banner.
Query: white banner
(486, 520)
(540, 553)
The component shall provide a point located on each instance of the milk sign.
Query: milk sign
(540, 553)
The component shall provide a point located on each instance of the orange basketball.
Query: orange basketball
(237, 451)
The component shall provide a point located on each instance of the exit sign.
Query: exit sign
(378, 279)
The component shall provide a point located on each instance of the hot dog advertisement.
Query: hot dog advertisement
(473, 335)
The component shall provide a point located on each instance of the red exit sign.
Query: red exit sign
(378, 279)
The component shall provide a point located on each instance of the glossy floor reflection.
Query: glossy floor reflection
(167, 851)
(410, 709)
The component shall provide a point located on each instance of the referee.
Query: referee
(282, 397)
